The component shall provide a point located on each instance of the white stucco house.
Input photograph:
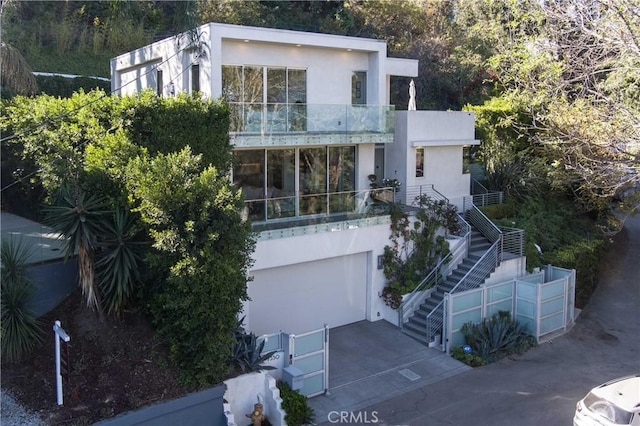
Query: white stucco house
(311, 121)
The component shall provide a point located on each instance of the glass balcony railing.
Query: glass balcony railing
(267, 119)
(300, 210)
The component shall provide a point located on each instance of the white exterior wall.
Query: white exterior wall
(443, 168)
(283, 256)
(441, 134)
(508, 270)
(329, 61)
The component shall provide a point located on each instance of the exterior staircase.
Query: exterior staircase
(416, 327)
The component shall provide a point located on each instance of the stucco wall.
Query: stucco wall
(508, 270)
(282, 253)
(225, 44)
(442, 135)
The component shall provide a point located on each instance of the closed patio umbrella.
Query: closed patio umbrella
(412, 96)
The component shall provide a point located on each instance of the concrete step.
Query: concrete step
(421, 338)
(418, 322)
(416, 329)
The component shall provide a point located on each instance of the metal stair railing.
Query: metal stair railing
(413, 192)
(408, 306)
(436, 276)
(512, 242)
(481, 196)
(484, 224)
(472, 279)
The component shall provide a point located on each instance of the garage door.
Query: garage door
(305, 296)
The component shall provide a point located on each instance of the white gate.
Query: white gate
(309, 352)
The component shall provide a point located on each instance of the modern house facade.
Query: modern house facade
(311, 126)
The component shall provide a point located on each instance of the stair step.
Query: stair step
(416, 327)
(421, 338)
(446, 288)
(421, 331)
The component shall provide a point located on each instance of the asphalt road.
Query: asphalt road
(542, 386)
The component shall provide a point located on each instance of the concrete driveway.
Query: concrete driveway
(542, 386)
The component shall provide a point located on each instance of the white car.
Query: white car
(616, 402)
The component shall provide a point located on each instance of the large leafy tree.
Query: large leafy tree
(570, 70)
(202, 252)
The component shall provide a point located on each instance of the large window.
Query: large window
(283, 183)
(419, 162)
(265, 98)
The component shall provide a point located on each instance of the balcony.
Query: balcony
(259, 124)
(301, 214)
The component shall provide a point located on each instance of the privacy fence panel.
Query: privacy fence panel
(464, 307)
(543, 302)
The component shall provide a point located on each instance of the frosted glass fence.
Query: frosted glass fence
(543, 302)
(309, 352)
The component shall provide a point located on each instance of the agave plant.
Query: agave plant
(496, 336)
(80, 220)
(247, 351)
(118, 266)
(19, 327)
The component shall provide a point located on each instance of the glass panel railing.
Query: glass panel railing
(305, 209)
(290, 118)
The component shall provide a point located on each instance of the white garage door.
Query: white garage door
(306, 296)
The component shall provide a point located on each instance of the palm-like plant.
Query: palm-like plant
(20, 328)
(80, 220)
(15, 72)
(119, 265)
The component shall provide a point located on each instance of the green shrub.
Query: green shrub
(583, 256)
(470, 359)
(499, 211)
(65, 87)
(247, 352)
(497, 337)
(166, 125)
(415, 246)
(120, 261)
(20, 330)
(201, 257)
(295, 406)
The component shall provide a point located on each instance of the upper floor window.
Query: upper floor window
(159, 83)
(274, 97)
(468, 155)
(359, 88)
(195, 78)
(264, 85)
(419, 162)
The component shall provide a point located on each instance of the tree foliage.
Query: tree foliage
(203, 249)
(415, 246)
(20, 329)
(85, 144)
(570, 69)
(79, 220)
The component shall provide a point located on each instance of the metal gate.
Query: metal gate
(309, 352)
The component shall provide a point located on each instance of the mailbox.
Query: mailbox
(294, 377)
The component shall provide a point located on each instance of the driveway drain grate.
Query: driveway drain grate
(409, 374)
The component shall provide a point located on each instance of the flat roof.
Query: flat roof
(43, 243)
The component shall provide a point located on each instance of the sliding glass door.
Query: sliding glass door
(284, 183)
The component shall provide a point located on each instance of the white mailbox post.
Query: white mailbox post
(60, 334)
